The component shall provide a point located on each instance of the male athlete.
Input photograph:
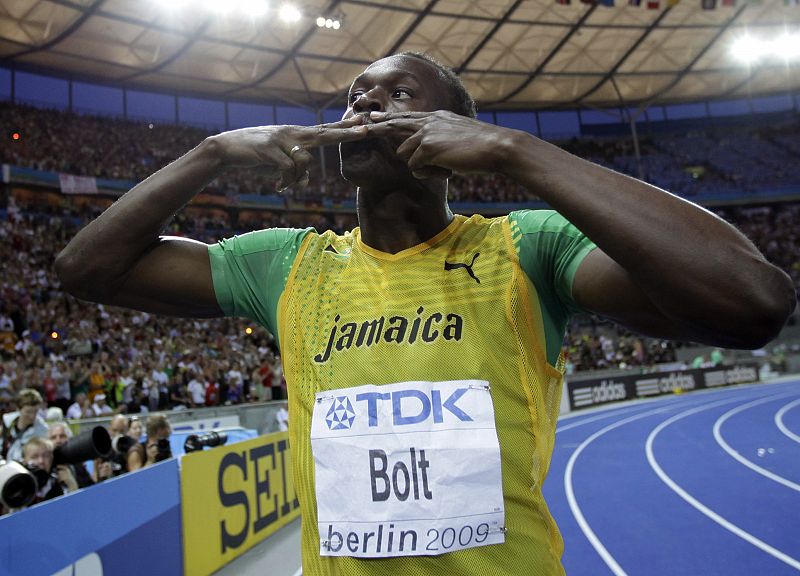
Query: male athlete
(422, 350)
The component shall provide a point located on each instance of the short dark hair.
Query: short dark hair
(463, 103)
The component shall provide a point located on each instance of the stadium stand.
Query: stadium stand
(50, 339)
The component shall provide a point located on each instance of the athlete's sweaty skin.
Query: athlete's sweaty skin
(648, 272)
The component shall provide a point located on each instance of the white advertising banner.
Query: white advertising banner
(71, 184)
(407, 469)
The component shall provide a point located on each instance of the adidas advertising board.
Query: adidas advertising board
(407, 469)
(595, 392)
(591, 393)
(731, 375)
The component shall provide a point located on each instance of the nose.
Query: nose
(368, 102)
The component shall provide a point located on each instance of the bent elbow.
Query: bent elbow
(769, 314)
(73, 276)
(66, 271)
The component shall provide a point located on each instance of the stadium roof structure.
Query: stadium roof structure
(512, 54)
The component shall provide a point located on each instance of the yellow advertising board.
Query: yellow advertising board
(232, 497)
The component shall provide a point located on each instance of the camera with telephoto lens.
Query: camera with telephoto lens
(195, 442)
(163, 450)
(121, 444)
(19, 483)
(90, 444)
(118, 456)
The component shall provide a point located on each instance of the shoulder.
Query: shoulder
(537, 221)
(268, 239)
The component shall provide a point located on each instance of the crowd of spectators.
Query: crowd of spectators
(743, 158)
(89, 360)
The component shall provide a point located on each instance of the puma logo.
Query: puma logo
(468, 267)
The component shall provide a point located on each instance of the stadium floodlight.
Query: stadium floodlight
(334, 21)
(788, 45)
(289, 13)
(750, 50)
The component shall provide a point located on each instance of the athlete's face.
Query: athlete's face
(393, 84)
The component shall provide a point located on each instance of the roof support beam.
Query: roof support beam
(610, 74)
(532, 76)
(288, 56)
(177, 54)
(88, 12)
(410, 30)
(696, 59)
(497, 25)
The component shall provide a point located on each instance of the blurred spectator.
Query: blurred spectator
(100, 406)
(135, 429)
(197, 389)
(59, 434)
(155, 448)
(81, 408)
(38, 456)
(117, 462)
(27, 424)
(282, 417)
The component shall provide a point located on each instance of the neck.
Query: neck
(395, 220)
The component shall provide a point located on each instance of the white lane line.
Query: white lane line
(573, 503)
(738, 457)
(779, 420)
(730, 526)
(299, 572)
(593, 419)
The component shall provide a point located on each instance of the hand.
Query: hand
(438, 143)
(65, 477)
(269, 148)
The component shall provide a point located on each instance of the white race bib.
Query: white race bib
(407, 469)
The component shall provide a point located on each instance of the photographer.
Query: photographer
(38, 458)
(59, 434)
(117, 462)
(156, 448)
(28, 424)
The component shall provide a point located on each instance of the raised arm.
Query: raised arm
(121, 259)
(664, 266)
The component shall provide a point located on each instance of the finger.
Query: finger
(302, 183)
(421, 166)
(409, 146)
(384, 116)
(432, 173)
(285, 166)
(393, 128)
(323, 135)
(302, 159)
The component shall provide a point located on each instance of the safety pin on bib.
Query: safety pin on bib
(485, 387)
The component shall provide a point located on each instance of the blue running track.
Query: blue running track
(700, 484)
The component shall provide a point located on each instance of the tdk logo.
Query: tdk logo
(414, 406)
(341, 414)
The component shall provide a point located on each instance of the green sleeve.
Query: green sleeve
(250, 272)
(550, 249)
